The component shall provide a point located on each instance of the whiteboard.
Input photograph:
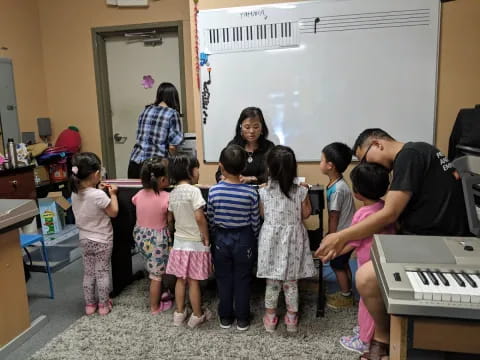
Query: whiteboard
(321, 71)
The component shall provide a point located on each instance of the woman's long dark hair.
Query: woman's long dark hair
(83, 165)
(152, 169)
(167, 92)
(251, 112)
(282, 167)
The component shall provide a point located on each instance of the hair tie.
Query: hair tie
(75, 170)
(152, 174)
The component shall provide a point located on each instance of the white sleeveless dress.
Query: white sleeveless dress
(283, 246)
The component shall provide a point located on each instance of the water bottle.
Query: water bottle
(12, 154)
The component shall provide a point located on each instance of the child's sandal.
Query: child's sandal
(90, 309)
(377, 351)
(104, 309)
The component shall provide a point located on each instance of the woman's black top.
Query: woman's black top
(257, 167)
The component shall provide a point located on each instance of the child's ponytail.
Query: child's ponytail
(152, 169)
(282, 167)
(83, 165)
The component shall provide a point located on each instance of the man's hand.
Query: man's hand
(329, 248)
(247, 179)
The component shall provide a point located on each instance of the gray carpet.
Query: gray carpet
(130, 332)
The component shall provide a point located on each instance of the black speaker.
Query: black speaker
(44, 127)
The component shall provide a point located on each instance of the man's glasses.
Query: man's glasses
(364, 157)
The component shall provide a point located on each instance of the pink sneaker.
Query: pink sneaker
(270, 323)
(292, 324)
(104, 309)
(194, 321)
(179, 318)
(90, 309)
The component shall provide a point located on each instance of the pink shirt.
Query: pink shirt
(90, 217)
(363, 245)
(151, 209)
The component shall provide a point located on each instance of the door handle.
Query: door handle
(119, 139)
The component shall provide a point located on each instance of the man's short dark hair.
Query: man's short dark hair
(370, 180)
(234, 159)
(339, 154)
(370, 134)
(180, 167)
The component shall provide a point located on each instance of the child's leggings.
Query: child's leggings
(290, 291)
(96, 263)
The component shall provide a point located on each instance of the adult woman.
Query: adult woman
(251, 133)
(159, 129)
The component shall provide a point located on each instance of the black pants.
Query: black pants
(234, 254)
(134, 170)
(341, 262)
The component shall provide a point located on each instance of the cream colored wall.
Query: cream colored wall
(68, 56)
(459, 70)
(20, 33)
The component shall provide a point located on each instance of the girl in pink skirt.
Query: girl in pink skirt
(190, 259)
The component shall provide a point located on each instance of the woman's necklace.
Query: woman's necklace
(250, 157)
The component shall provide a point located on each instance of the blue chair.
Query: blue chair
(29, 239)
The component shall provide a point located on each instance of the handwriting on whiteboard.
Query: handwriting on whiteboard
(253, 14)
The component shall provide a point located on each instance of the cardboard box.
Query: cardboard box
(42, 173)
(52, 212)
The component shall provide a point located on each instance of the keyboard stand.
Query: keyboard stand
(451, 335)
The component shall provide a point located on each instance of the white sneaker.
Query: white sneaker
(179, 318)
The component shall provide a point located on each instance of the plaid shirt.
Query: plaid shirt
(158, 127)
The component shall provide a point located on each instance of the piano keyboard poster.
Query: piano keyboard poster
(321, 71)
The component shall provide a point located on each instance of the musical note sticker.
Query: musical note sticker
(316, 21)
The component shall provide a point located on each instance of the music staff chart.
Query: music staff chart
(364, 21)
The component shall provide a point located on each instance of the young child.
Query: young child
(151, 233)
(190, 259)
(335, 159)
(93, 209)
(283, 249)
(370, 182)
(234, 219)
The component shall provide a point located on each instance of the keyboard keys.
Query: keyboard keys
(422, 277)
(414, 281)
(432, 278)
(457, 278)
(442, 278)
(469, 280)
(455, 289)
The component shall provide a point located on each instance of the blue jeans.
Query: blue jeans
(234, 253)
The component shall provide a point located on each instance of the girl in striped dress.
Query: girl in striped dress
(283, 249)
(190, 259)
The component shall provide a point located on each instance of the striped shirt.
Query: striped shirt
(233, 206)
(158, 127)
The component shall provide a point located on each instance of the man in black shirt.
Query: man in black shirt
(425, 197)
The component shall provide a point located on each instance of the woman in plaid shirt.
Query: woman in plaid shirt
(159, 129)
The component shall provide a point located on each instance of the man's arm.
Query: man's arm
(395, 203)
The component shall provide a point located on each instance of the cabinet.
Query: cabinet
(17, 183)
